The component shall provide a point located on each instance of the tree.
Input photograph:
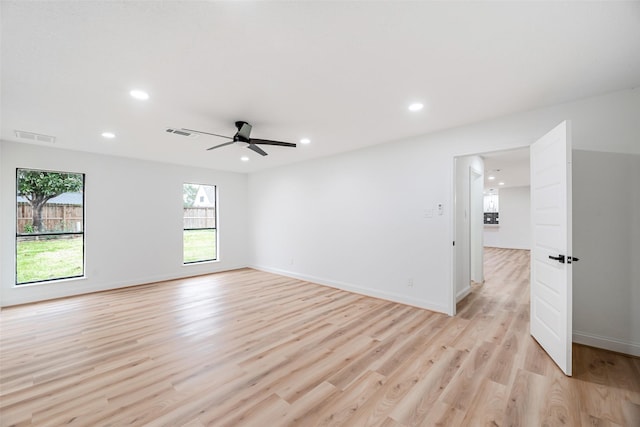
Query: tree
(189, 194)
(38, 187)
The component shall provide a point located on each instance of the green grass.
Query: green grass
(199, 245)
(39, 260)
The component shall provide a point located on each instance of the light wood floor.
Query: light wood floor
(251, 348)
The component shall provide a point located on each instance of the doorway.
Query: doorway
(480, 178)
(551, 257)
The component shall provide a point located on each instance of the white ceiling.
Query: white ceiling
(339, 73)
(510, 167)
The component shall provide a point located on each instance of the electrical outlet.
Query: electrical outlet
(410, 283)
(291, 261)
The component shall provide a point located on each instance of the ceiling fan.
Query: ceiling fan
(241, 137)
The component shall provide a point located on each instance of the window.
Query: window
(49, 225)
(199, 223)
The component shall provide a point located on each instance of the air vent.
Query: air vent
(181, 132)
(35, 137)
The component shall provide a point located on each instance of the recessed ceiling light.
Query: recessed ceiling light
(491, 178)
(139, 94)
(244, 158)
(501, 183)
(416, 106)
(108, 135)
(305, 141)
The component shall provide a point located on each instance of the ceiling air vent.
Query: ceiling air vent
(181, 132)
(35, 137)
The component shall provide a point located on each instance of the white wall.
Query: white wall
(606, 238)
(362, 221)
(514, 229)
(133, 220)
(356, 221)
(3, 214)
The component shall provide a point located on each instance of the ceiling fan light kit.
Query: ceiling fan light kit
(242, 137)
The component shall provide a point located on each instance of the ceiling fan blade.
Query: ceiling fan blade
(257, 149)
(207, 133)
(221, 145)
(244, 130)
(270, 142)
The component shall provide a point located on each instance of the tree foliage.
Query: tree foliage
(189, 195)
(38, 187)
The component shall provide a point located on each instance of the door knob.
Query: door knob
(559, 258)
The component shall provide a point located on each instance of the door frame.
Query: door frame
(453, 218)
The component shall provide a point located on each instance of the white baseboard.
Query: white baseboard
(607, 343)
(463, 293)
(388, 296)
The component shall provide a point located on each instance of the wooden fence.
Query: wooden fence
(199, 217)
(68, 218)
(55, 218)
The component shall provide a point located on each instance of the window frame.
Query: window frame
(81, 233)
(214, 228)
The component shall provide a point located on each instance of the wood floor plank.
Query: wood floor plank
(442, 415)
(488, 405)
(526, 400)
(427, 386)
(464, 384)
(245, 348)
(338, 408)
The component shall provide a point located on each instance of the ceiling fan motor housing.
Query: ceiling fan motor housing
(244, 130)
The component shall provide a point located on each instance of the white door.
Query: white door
(551, 252)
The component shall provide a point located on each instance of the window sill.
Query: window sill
(50, 282)
(200, 262)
